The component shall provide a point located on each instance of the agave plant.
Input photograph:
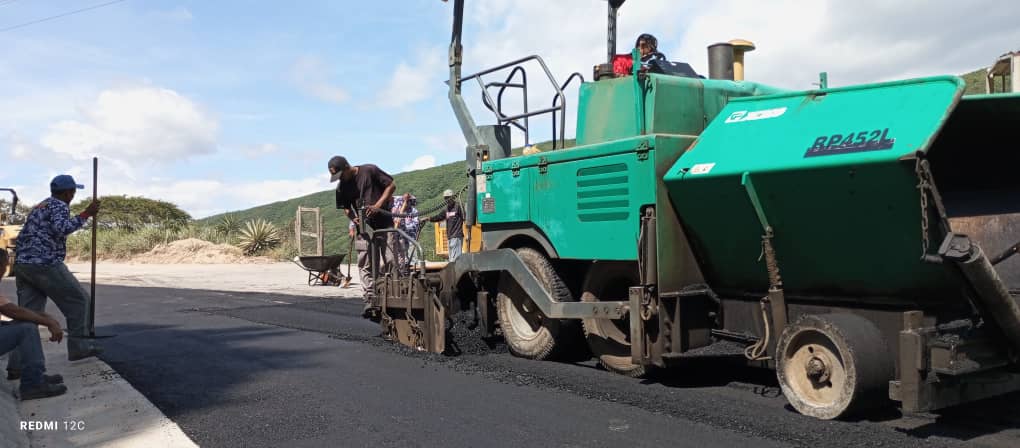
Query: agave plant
(258, 236)
(228, 225)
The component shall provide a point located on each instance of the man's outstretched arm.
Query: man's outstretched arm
(24, 314)
(386, 195)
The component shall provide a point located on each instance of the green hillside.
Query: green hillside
(427, 185)
(975, 82)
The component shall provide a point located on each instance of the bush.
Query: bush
(113, 243)
(228, 225)
(286, 251)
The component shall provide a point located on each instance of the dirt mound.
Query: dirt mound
(196, 251)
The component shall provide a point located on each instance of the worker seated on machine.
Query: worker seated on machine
(652, 60)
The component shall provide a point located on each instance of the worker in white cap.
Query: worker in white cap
(454, 217)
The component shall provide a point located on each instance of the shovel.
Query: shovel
(90, 325)
(347, 279)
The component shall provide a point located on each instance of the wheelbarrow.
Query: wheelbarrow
(322, 270)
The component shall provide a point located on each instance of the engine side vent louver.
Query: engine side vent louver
(603, 193)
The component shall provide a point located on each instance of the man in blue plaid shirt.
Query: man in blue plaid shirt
(405, 204)
(40, 271)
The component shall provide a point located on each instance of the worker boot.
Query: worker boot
(88, 353)
(44, 390)
(51, 379)
(371, 312)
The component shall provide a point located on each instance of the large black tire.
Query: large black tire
(609, 340)
(833, 365)
(528, 333)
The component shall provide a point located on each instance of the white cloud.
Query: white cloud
(448, 142)
(411, 83)
(203, 197)
(256, 151)
(311, 76)
(856, 42)
(423, 162)
(28, 104)
(23, 149)
(135, 125)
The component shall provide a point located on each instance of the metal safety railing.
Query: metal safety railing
(521, 120)
(559, 97)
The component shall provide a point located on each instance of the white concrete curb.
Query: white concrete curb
(10, 435)
(100, 409)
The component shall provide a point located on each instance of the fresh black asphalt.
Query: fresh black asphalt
(262, 370)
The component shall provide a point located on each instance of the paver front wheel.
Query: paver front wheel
(529, 333)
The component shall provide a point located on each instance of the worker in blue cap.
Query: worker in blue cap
(40, 271)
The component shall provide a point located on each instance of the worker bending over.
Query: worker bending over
(366, 187)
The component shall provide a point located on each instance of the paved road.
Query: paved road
(259, 370)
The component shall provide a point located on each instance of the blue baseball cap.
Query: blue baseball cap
(64, 182)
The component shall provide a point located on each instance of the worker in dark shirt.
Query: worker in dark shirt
(366, 186)
(454, 218)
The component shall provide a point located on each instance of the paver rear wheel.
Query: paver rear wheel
(833, 365)
(529, 333)
(609, 340)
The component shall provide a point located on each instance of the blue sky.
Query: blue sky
(221, 105)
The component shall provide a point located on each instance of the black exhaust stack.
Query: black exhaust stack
(614, 8)
(720, 61)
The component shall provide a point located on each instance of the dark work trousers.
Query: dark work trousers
(37, 282)
(22, 340)
(383, 256)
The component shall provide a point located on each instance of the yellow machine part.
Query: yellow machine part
(8, 240)
(442, 245)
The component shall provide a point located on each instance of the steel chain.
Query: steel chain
(391, 328)
(417, 336)
(923, 186)
(427, 212)
(647, 311)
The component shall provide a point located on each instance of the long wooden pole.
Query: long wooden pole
(92, 291)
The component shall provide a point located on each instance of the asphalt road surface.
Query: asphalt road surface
(268, 370)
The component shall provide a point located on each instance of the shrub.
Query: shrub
(228, 225)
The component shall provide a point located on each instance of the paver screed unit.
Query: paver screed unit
(839, 234)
